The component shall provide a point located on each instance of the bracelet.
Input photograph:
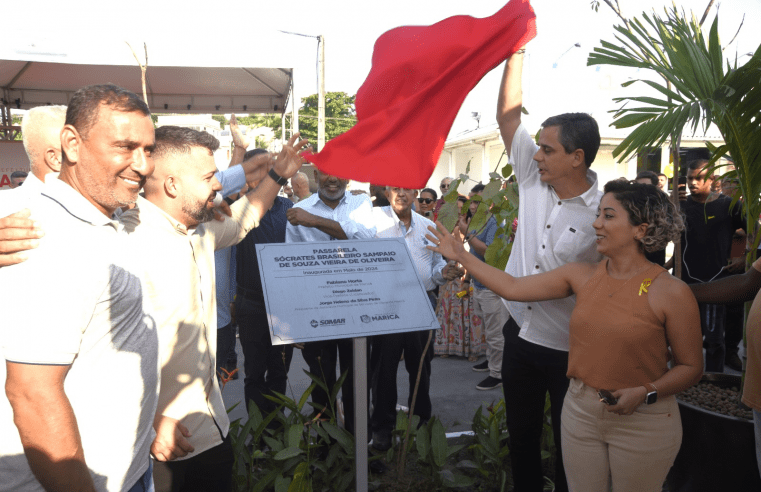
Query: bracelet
(278, 179)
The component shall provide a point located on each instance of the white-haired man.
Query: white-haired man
(41, 131)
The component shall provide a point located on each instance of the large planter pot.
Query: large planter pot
(718, 452)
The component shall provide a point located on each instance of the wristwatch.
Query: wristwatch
(278, 179)
(652, 394)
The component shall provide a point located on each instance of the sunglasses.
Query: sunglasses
(444, 187)
(427, 201)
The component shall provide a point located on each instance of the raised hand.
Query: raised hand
(241, 141)
(289, 160)
(448, 245)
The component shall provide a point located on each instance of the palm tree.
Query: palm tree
(701, 89)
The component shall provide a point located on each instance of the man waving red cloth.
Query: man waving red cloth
(419, 79)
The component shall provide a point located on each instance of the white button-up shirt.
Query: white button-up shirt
(551, 232)
(354, 213)
(427, 263)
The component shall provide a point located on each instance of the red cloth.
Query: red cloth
(419, 79)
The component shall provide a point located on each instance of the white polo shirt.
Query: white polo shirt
(78, 301)
(551, 232)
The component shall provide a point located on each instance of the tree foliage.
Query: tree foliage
(340, 115)
(222, 120)
(705, 89)
(499, 199)
(273, 121)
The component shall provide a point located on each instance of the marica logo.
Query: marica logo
(365, 318)
(314, 323)
(380, 317)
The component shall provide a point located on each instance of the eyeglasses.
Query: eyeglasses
(444, 187)
(427, 201)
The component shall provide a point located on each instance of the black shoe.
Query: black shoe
(482, 367)
(489, 383)
(382, 440)
(734, 362)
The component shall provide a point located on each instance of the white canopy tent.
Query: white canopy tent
(183, 76)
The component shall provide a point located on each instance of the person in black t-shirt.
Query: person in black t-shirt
(706, 251)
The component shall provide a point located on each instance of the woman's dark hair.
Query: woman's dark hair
(432, 192)
(646, 204)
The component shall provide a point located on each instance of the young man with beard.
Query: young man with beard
(706, 251)
(398, 220)
(173, 227)
(331, 214)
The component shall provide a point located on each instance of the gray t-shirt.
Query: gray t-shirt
(77, 301)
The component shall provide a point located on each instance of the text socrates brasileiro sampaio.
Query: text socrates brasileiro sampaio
(335, 256)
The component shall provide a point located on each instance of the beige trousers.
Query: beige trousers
(490, 308)
(634, 451)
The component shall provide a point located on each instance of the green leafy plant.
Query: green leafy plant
(499, 199)
(290, 451)
(491, 452)
(433, 453)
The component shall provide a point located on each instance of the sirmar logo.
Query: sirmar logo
(328, 322)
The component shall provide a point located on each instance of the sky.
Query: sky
(556, 78)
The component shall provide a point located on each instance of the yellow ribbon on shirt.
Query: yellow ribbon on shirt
(645, 284)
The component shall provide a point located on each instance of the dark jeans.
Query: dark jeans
(210, 471)
(733, 327)
(266, 365)
(384, 362)
(529, 371)
(712, 318)
(226, 356)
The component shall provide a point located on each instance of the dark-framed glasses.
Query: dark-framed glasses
(427, 201)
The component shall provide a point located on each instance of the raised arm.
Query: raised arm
(510, 99)
(555, 284)
(240, 142)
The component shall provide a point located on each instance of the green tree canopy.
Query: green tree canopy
(340, 115)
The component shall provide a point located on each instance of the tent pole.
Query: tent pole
(321, 93)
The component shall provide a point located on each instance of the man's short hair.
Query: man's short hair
(35, 124)
(19, 174)
(253, 153)
(478, 188)
(648, 175)
(661, 174)
(84, 106)
(577, 131)
(179, 140)
(695, 164)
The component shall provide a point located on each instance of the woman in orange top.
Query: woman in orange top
(629, 312)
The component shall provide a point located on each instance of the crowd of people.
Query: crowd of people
(123, 279)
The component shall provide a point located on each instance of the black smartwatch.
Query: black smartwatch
(652, 394)
(278, 179)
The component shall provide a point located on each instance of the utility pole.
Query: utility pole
(321, 92)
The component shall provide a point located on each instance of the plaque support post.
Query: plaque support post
(360, 413)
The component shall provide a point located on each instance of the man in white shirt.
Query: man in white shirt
(331, 214)
(173, 230)
(559, 200)
(80, 348)
(397, 220)
(41, 131)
